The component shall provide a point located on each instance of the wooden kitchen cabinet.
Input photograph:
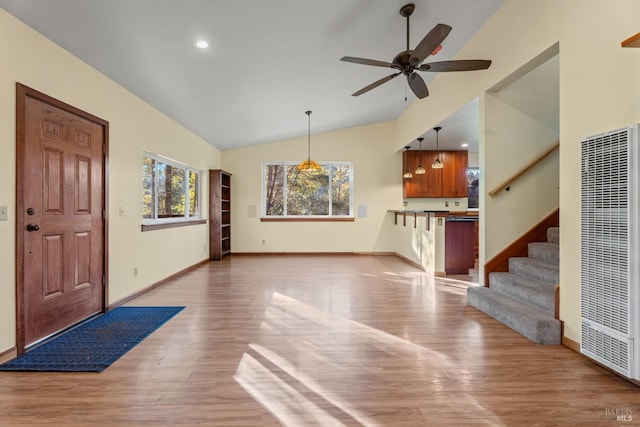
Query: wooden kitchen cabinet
(427, 185)
(454, 174)
(450, 181)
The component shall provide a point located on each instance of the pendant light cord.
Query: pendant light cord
(308, 113)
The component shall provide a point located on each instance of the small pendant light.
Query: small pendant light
(309, 165)
(407, 174)
(420, 170)
(437, 164)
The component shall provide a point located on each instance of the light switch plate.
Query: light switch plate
(4, 213)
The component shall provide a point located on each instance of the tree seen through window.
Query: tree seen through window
(290, 192)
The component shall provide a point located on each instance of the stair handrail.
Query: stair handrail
(507, 184)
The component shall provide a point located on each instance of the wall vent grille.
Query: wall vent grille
(606, 348)
(609, 273)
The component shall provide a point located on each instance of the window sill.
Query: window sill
(151, 227)
(329, 219)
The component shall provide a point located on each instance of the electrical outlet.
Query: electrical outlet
(446, 203)
(4, 213)
(135, 271)
(121, 210)
(264, 241)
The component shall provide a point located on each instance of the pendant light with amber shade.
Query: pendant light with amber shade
(309, 165)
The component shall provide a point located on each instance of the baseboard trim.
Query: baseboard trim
(313, 253)
(409, 261)
(396, 254)
(157, 284)
(291, 253)
(375, 253)
(7, 355)
(571, 344)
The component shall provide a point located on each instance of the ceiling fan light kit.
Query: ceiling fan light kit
(409, 61)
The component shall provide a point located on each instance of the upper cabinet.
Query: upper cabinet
(450, 181)
(454, 174)
(428, 184)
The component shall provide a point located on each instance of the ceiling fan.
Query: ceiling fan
(409, 61)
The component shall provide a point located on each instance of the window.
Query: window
(288, 192)
(171, 191)
(473, 177)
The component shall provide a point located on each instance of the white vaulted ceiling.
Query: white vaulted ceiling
(268, 61)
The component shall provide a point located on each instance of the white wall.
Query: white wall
(31, 59)
(420, 245)
(593, 98)
(377, 185)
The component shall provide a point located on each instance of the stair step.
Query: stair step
(544, 271)
(539, 294)
(545, 251)
(553, 235)
(526, 319)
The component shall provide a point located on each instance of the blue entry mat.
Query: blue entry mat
(96, 344)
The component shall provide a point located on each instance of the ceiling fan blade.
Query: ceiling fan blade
(375, 84)
(430, 42)
(365, 61)
(418, 86)
(459, 65)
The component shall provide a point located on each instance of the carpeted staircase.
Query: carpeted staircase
(524, 297)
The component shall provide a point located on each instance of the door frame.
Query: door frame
(22, 93)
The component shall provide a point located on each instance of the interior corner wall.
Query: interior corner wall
(134, 127)
(421, 245)
(593, 99)
(377, 169)
(513, 139)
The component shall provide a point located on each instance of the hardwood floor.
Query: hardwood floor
(324, 340)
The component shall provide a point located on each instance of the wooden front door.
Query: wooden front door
(60, 225)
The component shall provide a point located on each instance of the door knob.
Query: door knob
(33, 227)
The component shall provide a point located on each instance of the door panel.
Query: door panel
(52, 261)
(460, 238)
(61, 228)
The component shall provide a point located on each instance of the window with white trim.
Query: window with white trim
(171, 191)
(290, 193)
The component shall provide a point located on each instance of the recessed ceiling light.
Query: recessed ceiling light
(465, 145)
(202, 44)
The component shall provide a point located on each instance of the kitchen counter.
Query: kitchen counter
(447, 214)
(447, 242)
(416, 213)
